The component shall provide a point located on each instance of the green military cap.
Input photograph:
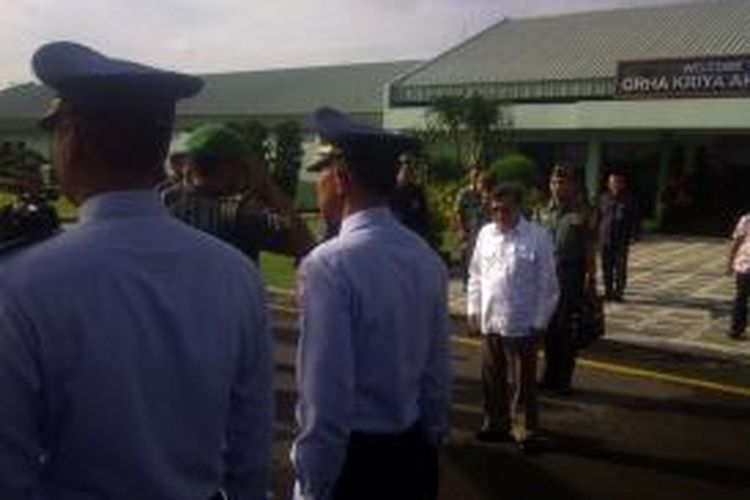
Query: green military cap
(218, 143)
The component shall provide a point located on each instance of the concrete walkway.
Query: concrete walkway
(678, 298)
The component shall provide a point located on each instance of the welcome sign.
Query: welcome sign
(698, 77)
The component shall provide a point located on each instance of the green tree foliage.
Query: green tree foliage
(18, 163)
(443, 169)
(479, 121)
(480, 117)
(519, 168)
(514, 167)
(437, 157)
(256, 135)
(448, 116)
(287, 157)
(462, 131)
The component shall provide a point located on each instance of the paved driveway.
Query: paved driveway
(677, 297)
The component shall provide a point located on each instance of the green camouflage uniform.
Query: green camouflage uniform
(237, 220)
(572, 230)
(471, 216)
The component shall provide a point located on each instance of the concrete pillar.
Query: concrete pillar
(593, 168)
(662, 178)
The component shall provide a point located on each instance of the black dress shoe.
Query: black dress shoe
(555, 389)
(488, 435)
(563, 391)
(736, 335)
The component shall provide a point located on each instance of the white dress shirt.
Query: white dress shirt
(135, 362)
(373, 352)
(512, 285)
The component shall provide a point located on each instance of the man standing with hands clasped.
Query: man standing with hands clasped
(373, 358)
(618, 227)
(135, 352)
(512, 294)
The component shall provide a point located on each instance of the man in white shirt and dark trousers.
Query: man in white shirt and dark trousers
(373, 358)
(512, 293)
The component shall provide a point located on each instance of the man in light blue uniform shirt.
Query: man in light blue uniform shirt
(373, 358)
(134, 350)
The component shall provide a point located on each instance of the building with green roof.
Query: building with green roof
(663, 92)
(269, 96)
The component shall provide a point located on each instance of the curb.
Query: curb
(668, 345)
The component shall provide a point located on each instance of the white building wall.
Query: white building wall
(657, 114)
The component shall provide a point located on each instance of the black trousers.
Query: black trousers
(615, 268)
(559, 351)
(388, 467)
(559, 348)
(739, 311)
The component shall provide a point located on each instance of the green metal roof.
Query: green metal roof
(355, 88)
(576, 55)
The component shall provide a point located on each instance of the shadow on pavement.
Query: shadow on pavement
(716, 308)
(678, 406)
(698, 470)
(496, 473)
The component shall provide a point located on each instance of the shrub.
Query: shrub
(514, 167)
(440, 202)
(287, 157)
(444, 169)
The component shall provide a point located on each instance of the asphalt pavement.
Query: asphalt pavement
(641, 424)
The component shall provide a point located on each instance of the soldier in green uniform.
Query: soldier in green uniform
(571, 224)
(247, 211)
(472, 213)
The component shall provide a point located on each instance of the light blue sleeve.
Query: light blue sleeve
(251, 418)
(434, 400)
(325, 382)
(20, 387)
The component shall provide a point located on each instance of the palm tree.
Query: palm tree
(449, 114)
(481, 117)
(287, 157)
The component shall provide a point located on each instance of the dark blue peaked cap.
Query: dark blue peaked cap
(91, 81)
(356, 139)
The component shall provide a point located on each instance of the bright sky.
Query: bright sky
(229, 35)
